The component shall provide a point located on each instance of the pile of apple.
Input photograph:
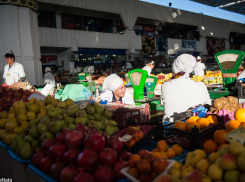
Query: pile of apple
(228, 164)
(79, 157)
(8, 96)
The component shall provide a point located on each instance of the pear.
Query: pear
(65, 115)
(11, 110)
(19, 130)
(54, 103)
(31, 115)
(69, 120)
(40, 103)
(13, 146)
(33, 132)
(26, 152)
(43, 113)
(11, 115)
(21, 117)
(2, 123)
(90, 117)
(10, 138)
(109, 130)
(19, 111)
(97, 116)
(104, 120)
(18, 104)
(81, 121)
(48, 107)
(57, 118)
(45, 136)
(62, 123)
(54, 127)
(90, 110)
(3, 114)
(20, 142)
(10, 126)
(90, 124)
(81, 113)
(52, 112)
(46, 120)
(34, 145)
(29, 139)
(48, 100)
(62, 105)
(71, 126)
(33, 122)
(34, 108)
(24, 124)
(107, 113)
(2, 132)
(72, 110)
(98, 108)
(69, 102)
(33, 100)
(41, 128)
(97, 125)
(113, 123)
(11, 119)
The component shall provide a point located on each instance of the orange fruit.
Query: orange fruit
(157, 154)
(143, 166)
(231, 125)
(150, 157)
(194, 118)
(171, 153)
(221, 145)
(212, 119)
(209, 146)
(159, 165)
(189, 121)
(203, 122)
(178, 149)
(219, 136)
(191, 125)
(164, 155)
(133, 159)
(145, 178)
(240, 115)
(142, 153)
(134, 172)
(180, 125)
(162, 146)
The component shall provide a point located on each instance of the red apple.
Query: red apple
(228, 162)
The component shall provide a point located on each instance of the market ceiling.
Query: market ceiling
(229, 5)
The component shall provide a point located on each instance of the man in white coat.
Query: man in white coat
(200, 67)
(178, 95)
(149, 66)
(114, 90)
(13, 72)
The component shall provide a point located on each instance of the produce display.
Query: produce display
(211, 77)
(162, 77)
(227, 164)
(100, 80)
(230, 104)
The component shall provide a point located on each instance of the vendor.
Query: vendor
(200, 67)
(48, 77)
(13, 72)
(149, 66)
(180, 94)
(114, 90)
(53, 71)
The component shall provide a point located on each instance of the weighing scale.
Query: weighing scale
(150, 85)
(228, 62)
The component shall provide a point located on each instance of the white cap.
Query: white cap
(11, 52)
(198, 57)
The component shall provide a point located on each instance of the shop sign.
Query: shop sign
(32, 4)
(148, 28)
(48, 59)
(189, 45)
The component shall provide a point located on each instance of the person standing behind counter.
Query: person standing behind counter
(200, 67)
(149, 66)
(13, 72)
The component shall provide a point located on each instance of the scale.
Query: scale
(228, 62)
(150, 85)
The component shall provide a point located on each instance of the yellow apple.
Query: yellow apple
(217, 161)
(196, 159)
(212, 157)
(205, 178)
(175, 172)
(214, 172)
(200, 152)
(228, 162)
(235, 148)
(186, 172)
(187, 167)
(223, 150)
(232, 175)
(177, 165)
(241, 161)
(203, 166)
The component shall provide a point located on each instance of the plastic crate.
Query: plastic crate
(15, 156)
(121, 116)
(4, 145)
(41, 174)
(148, 132)
(151, 145)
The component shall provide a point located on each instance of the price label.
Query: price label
(236, 135)
(126, 138)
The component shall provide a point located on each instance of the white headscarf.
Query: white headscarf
(185, 63)
(47, 69)
(112, 82)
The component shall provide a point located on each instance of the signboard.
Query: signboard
(188, 45)
(32, 4)
(236, 135)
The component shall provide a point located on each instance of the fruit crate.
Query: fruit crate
(4, 145)
(15, 156)
(173, 135)
(148, 131)
(121, 116)
(151, 145)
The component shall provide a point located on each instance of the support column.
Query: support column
(19, 32)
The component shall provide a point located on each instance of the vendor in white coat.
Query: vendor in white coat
(13, 72)
(180, 94)
(200, 67)
(114, 90)
(49, 82)
(149, 66)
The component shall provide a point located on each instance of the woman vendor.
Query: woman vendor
(114, 90)
(149, 66)
(182, 93)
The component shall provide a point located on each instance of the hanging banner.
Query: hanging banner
(188, 45)
(148, 45)
(215, 45)
(32, 4)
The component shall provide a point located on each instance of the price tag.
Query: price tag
(126, 138)
(236, 135)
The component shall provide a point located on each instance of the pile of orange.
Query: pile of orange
(162, 150)
(145, 166)
(239, 120)
(195, 121)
